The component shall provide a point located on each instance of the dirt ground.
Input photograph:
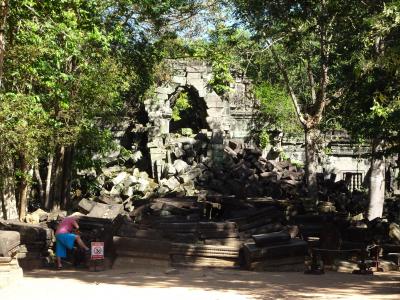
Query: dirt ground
(203, 284)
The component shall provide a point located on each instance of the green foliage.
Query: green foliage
(306, 38)
(227, 49)
(23, 125)
(370, 107)
(227, 52)
(276, 108)
(187, 131)
(264, 138)
(222, 77)
(283, 156)
(61, 56)
(92, 145)
(275, 113)
(327, 150)
(182, 103)
(297, 163)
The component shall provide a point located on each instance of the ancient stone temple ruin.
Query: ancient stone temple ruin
(213, 199)
(211, 121)
(216, 118)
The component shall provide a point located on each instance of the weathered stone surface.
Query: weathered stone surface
(191, 76)
(181, 80)
(178, 152)
(170, 170)
(196, 67)
(141, 247)
(210, 262)
(29, 233)
(9, 242)
(165, 89)
(191, 175)
(111, 171)
(142, 185)
(120, 178)
(106, 211)
(344, 266)
(130, 180)
(128, 192)
(295, 247)
(159, 97)
(172, 183)
(36, 217)
(108, 199)
(56, 215)
(180, 166)
(100, 210)
(86, 205)
(394, 231)
(117, 190)
(199, 84)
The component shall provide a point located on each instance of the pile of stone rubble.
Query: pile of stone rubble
(209, 231)
(243, 172)
(193, 232)
(276, 251)
(241, 211)
(34, 242)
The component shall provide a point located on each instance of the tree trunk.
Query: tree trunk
(3, 21)
(7, 192)
(48, 181)
(66, 183)
(311, 118)
(310, 136)
(40, 184)
(377, 182)
(58, 178)
(23, 188)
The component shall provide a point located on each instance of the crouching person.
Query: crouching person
(65, 238)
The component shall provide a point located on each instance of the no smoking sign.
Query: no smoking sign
(97, 250)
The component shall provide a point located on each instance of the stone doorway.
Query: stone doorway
(194, 116)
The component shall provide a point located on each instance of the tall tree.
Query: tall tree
(3, 22)
(59, 58)
(311, 42)
(71, 62)
(7, 196)
(301, 36)
(369, 77)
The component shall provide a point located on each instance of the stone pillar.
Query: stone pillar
(164, 126)
(158, 157)
(217, 146)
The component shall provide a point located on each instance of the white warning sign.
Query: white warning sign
(97, 250)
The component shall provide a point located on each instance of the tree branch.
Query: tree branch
(194, 11)
(311, 79)
(3, 21)
(293, 96)
(320, 102)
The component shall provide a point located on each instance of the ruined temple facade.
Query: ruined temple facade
(223, 119)
(219, 118)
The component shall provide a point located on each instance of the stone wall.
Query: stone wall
(343, 157)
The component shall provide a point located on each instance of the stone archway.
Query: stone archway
(194, 76)
(222, 118)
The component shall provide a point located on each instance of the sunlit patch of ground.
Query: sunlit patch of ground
(207, 284)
